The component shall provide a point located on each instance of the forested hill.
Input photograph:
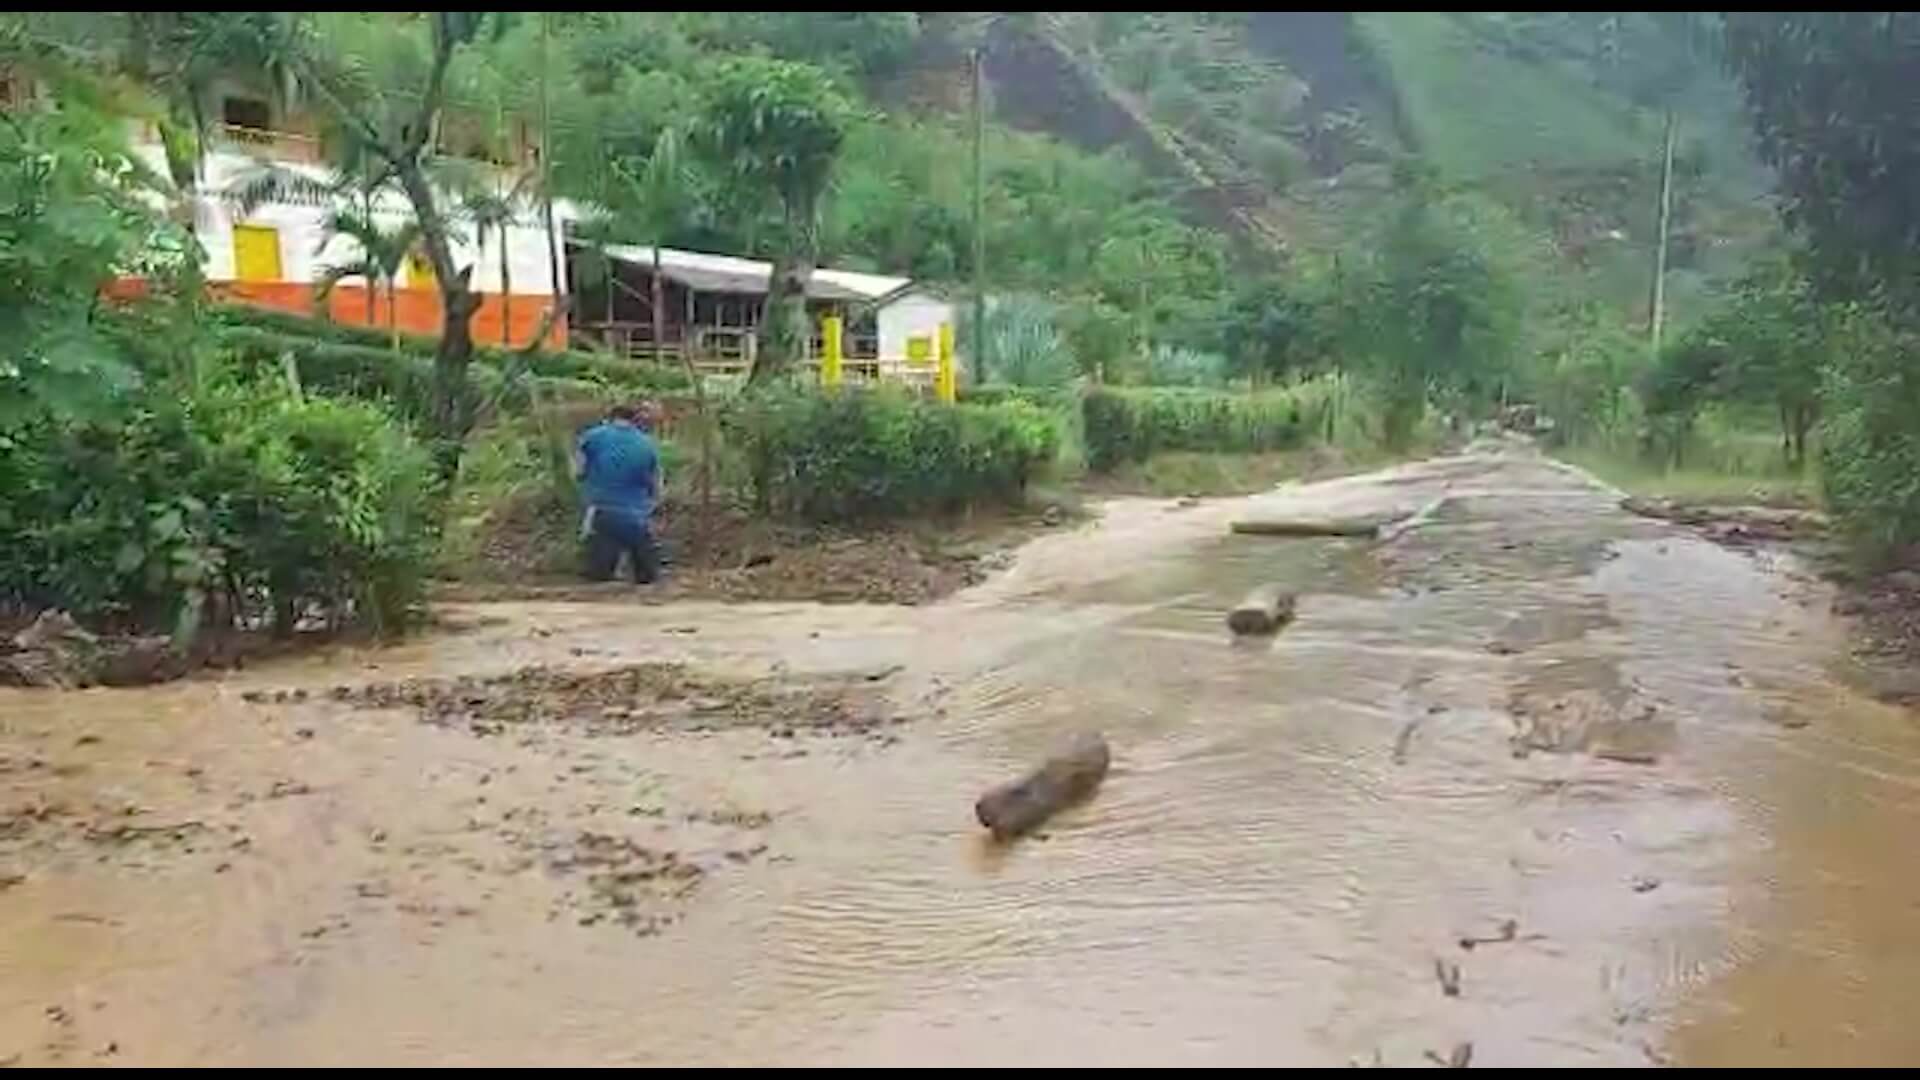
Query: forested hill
(1277, 126)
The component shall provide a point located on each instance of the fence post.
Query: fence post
(943, 376)
(830, 351)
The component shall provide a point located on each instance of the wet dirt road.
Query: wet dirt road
(1620, 752)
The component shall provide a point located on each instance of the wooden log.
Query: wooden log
(1264, 611)
(1369, 525)
(1066, 778)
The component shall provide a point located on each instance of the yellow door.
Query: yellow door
(419, 271)
(256, 253)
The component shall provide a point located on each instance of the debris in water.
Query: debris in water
(1460, 1058)
(1644, 883)
(1403, 740)
(1066, 778)
(1264, 611)
(1448, 974)
(1509, 931)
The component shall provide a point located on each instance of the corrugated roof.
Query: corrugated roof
(726, 273)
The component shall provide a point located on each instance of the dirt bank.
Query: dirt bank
(531, 553)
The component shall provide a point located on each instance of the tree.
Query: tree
(1830, 95)
(382, 79)
(774, 129)
(495, 209)
(1441, 311)
(382, 252)
(77, 209)
(1276, 326)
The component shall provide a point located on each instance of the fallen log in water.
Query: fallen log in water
(1065, 778)
(1366, 525)
(1381, 525)
(1264, 611)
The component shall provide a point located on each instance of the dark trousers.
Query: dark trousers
(614, 533)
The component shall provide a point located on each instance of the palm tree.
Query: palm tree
(382, 252)
(496, 210)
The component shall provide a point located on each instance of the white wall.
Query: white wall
(912, 315)
(302, 255)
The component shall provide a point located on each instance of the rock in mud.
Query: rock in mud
(1066, 778)
(1264, 611)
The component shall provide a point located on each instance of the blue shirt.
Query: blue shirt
(620, 465)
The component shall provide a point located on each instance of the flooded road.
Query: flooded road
(1595, 776)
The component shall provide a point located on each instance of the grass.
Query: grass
(1708, 484)
(1181, 472)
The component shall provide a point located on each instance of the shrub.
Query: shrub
(568, 364)
(245, 503)
(1869, 441)
(1175, 365)
(1124, 425)
(1024, 345)
(873, 454)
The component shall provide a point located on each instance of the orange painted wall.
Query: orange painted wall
(417, 311)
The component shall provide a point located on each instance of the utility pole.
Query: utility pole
(1658, 308)
(979, 221)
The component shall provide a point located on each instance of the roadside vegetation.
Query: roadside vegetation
(172, 465)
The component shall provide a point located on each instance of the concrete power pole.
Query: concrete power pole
(979, 220)
(1657, 312)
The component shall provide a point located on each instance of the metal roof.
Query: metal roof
(704, 272)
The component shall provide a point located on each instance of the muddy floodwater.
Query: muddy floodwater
(1534, 782)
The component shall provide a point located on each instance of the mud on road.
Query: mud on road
(1536, 782)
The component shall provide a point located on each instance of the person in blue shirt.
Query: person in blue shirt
(619, 470)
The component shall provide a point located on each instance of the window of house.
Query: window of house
(256, 253)
(244, 112)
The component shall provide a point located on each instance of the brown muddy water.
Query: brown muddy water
(1614, 760)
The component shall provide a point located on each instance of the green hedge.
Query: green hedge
(867, 454)
(570, 364)
(1130, 425)
(239, 503)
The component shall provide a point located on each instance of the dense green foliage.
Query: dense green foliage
(1128, 425)
(1767, 345)
(1870, 440)
(1830, 96)
(245, 501)
(864, 455)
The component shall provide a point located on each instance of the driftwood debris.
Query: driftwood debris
(1366, 525)
(1065, 778)
(1264, 611)
(1381, 525)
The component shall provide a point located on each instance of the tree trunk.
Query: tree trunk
(506, 295)
(658, 301)
(452, 406)
(785, 322)
(393, 312)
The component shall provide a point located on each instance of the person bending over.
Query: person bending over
(619, 470)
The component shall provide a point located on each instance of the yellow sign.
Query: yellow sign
(830, 351)
(920, 350)
(945, 383)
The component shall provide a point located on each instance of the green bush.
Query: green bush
(570, 364)
(874, 454)
(245, 503)
(1124, 425)
(1870, 441)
